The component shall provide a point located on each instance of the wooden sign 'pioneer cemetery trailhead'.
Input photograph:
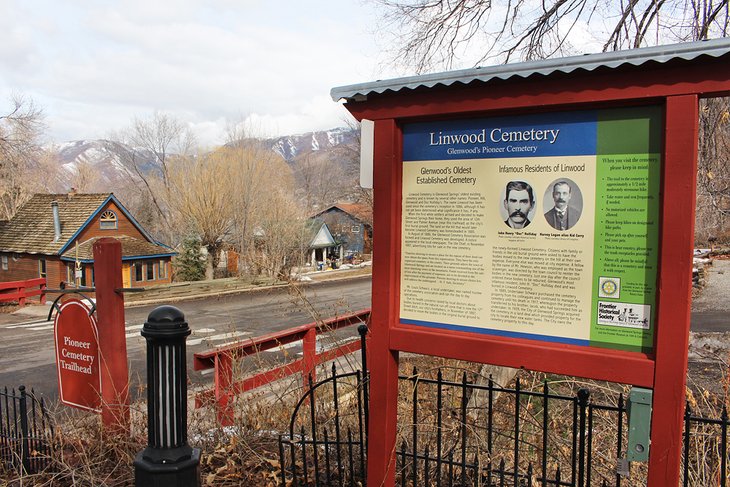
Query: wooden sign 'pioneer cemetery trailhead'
(77, 356)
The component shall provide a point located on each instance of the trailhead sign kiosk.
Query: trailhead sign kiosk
(540, 215)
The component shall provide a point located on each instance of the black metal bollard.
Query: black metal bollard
(167, 460)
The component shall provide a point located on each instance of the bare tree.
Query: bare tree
(280, 236)
(443, 34)
(156, 143)
(85, 177)
(322, 178)
(25, 167)
(713, 175)
(257, 168)
(220, 196)
(261, 178)
(200, 200)
(20, 127)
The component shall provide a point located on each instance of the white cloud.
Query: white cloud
(94, 67)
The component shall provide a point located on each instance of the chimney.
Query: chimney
(56, 221)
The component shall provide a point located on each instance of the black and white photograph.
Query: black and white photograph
(518, 205)
(562, 204)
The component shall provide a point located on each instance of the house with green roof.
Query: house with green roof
(52, 236)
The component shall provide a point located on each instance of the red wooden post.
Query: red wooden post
(384, 361)
(223, 388)
(42, 296)
(309, 352)
(21, 293)
(112, 342)
(675, 290)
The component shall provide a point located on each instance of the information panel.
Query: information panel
(542, 227)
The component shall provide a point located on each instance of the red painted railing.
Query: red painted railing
(221, 360)
(21, 290)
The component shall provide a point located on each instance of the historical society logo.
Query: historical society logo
(609, 287)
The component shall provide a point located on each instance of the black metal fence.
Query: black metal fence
(26, 432)
(705, 449)
(468, 431)
(327, 443)
(463, 432)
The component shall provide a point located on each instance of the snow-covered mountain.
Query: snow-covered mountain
(291, 146)
(104, 165)
(108, 162)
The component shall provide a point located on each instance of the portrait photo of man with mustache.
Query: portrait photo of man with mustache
(563, 215)
(519, 202)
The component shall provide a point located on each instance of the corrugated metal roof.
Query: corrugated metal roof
(588, 62)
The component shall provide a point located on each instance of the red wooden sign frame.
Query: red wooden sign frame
(676, 87)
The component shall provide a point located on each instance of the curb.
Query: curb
(37, 321)
(177, 299)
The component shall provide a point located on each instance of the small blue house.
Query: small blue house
(351, 225)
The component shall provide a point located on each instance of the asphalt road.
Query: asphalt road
(27, 351)
(27, 355)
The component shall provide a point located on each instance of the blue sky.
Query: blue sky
(94, 65)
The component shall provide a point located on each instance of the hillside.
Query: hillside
(109, 160)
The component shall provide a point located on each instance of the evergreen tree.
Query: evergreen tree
(189, 266)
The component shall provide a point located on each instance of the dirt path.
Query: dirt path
(716, 294)
(709, 349)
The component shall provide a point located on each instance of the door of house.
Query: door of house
(126, 275)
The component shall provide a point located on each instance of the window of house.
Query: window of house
(82, 281)
(108, 220)
(137, 271)
(150, 271)
(4, 260)
(42, 268)
(16, 257)
(70, 277)
(162, 270)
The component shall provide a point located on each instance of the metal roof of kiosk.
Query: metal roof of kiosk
(589, 62)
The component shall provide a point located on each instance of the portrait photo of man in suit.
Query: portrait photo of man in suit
(519, 202)
(563, 215)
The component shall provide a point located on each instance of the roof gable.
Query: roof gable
(99, 209)
(323, 238)
(358, 211)
(32, 229)
(318, 233)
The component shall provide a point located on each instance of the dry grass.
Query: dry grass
(247, 453)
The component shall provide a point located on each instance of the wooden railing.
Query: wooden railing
(21, 290)
(222, 361)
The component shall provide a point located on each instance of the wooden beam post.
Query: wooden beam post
(112, 340)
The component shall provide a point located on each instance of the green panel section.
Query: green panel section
(636, 130)
(627, 229)
(639, 412)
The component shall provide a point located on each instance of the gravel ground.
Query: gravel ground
(709, 351)
(716, 294)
